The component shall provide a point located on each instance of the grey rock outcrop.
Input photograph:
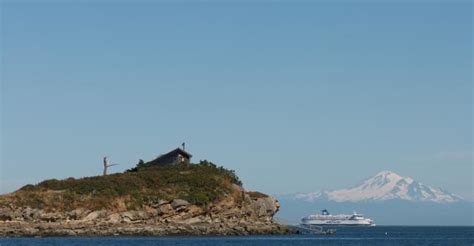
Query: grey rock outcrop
(237, 214)
(6, 214)
(179, 203)
(95, 215)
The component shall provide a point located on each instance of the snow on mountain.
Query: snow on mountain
(384, 186)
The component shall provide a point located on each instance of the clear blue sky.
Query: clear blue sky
(295, 97)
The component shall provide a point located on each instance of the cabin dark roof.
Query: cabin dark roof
(177, 151)
(174, 152)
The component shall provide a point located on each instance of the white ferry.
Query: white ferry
(326, 219)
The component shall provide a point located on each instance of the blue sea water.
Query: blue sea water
(381, 235)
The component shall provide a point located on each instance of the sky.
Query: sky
(293, 96)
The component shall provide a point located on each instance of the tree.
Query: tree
(141, 164)
(107, 165)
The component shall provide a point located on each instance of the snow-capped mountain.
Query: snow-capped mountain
(388, 198)
(384, 186)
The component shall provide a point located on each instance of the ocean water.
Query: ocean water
(380, 235)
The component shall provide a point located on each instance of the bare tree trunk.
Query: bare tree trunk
(105, 166)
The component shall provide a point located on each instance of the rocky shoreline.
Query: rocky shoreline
(251, 215)
(22, 229)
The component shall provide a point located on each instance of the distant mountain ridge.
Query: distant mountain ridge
(388, 198)
(385, 185)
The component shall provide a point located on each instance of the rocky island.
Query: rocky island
(155, 200)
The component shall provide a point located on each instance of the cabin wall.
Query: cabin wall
(170, 160)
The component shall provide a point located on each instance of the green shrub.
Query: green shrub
(198, 198)
(27, 187)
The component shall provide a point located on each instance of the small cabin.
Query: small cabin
(176, 156)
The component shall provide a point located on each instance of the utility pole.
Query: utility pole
(107, 165)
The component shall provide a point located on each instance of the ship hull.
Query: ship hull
(338, 225)
(342, 222)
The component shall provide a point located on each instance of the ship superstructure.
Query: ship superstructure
(327, 219)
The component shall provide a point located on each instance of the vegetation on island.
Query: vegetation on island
(199, 184)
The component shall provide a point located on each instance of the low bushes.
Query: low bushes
(198, 183)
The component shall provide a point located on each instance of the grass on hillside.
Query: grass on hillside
(197, 183)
